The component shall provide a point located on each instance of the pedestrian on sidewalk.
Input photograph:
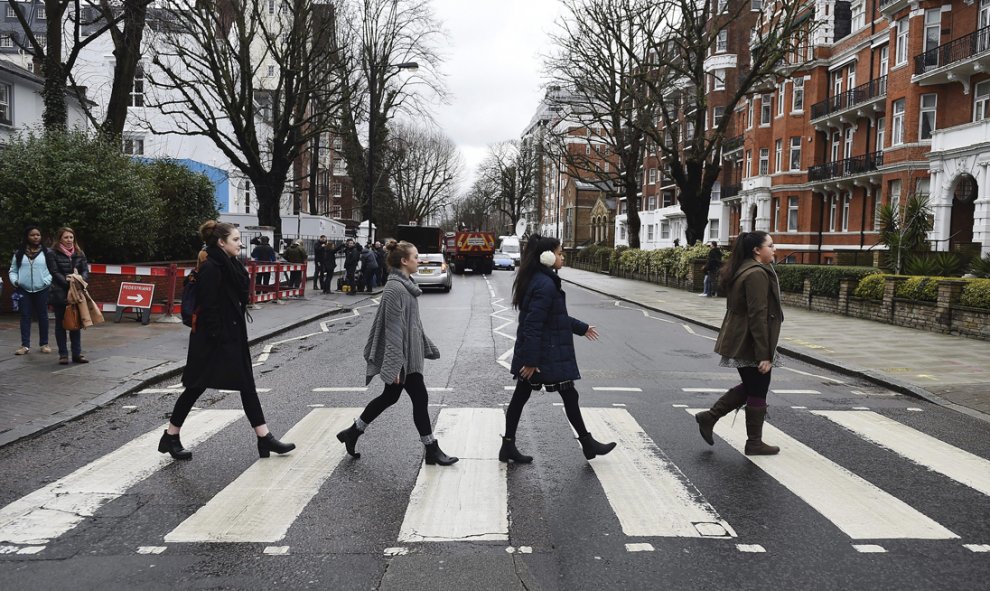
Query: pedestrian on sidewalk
(395, 352)
(352, 257)
(321, 262)
(748, 338)
(369, 269)
(219, 356)
(264, 254)
(544, 351)
(712, 266)
(380, 255)
(296, 254)
(31, 279)
(67, 259)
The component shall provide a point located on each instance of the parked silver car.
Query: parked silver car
(433, 272)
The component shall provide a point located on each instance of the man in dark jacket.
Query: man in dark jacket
(263, 253)
(711, 270)
(321, 254)
(380, 254)
(296, 254)
(352, 257)
(369, 269)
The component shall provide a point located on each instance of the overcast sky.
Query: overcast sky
(494, 70)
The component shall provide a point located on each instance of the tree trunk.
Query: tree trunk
(127, 54)
(633, 223)
(56, 116)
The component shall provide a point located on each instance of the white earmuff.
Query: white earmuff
(548, 258)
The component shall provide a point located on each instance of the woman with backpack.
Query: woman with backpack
(31, 279)
(748, 338)
(544, 352)
(395, 352)
(219, 356)
(67, 259)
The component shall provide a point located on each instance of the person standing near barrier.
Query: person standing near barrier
(748, 338)
(395, 352)
(321, 256)
(67, 259)
(219, 356)
(369, 269)
(352, 257)
(296, 255)
(31, 279)
(264, 254)
(544, 351)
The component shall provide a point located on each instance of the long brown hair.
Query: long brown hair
(212, 231)
(61, 232)
(742, 250)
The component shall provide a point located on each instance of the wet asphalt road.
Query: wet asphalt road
(558, 509)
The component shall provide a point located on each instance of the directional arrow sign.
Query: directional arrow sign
(136, 295)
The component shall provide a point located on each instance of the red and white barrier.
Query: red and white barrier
(278, 289)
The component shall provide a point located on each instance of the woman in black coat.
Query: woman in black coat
(219, 356)
(544, 351)
(67, 257)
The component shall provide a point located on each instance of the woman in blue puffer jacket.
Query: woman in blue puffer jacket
(544, 352)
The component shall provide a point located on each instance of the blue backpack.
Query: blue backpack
(189, 310)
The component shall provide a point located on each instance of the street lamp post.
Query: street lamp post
(372, 111)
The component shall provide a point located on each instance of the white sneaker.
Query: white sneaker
(22, 351)
(704, 295)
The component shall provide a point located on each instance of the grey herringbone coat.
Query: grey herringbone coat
(397, 344)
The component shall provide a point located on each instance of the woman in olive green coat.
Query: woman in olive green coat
(748, 338)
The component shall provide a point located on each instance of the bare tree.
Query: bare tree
(259, 84)
(673, 81)
(376, 37)
(510, 172)
(597, 67)
(424, 167)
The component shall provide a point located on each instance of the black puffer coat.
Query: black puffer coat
(545, 337)
(60, 265)
(219, 356)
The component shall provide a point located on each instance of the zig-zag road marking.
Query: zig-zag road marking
(324, 329)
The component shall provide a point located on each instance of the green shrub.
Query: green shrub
(791, 278)
(685, 256)
(942, 264)
(923, 289)
(824, 279)
(976, 294)
(187, 199)
(921, 264)
(981, 267)
(871, 287)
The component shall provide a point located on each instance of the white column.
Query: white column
(981, 217)
(941, 204)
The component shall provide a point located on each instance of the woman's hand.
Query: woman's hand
(527, 372)
(592, 334)
(765, 367)
(397, 379)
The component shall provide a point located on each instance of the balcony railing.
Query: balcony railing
(847, 167)
(840, 102)
(732, 144)
(730, 191)
(956, 50)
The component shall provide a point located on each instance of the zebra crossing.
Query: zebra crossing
(650, 496)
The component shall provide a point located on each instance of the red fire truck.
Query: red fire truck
(471, 250)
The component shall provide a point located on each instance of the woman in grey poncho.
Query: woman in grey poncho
(395, 352)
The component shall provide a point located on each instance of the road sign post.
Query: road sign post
(138, 296)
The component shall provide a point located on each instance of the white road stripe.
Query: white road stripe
(356, 389)
(261, 504)
(649, 494)
(977, 547)
(858, 508)
(50, 511)
(704, 390)
(957, 464)
(615, 389)
(795, 391)
(466, 501)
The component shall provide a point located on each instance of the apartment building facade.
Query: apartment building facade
(888, 100)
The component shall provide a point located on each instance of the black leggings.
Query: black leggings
(757, 384)
(416, 389)
(521, 396)
(249, 400)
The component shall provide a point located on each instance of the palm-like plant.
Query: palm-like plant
(904, 229)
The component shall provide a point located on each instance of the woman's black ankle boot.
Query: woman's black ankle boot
(510, 453)
(349, 437)
(435, 455)
(268, 444)
(170, 444)
(592, 448)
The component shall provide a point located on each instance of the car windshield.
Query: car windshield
(510, 247)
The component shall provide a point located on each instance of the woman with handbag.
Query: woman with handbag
(396, 349)
(748, 338)
(219, 356)
(544, 351)
(67, 260)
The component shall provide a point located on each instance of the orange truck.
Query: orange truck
(471, 250)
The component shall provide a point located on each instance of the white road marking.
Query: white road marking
(151, 549)
(261, 504)
(52, 510)
(316, 405)
(812, 375)
(128, 407)
(858, 508)
(618, 404)
(913, 409)
(679, 405)
(934, 454)
(800, 407)
(861, 408)
(21, 549)
(870, 548)
(468, 500)
(795, 391)
(260, 391)
(325, 325)
(647, 492)
(704, 390)
(615, 389)
(396, 551)
(276, 550)
(642, 547)
(439, 389)
(750, 548)
(354, 389)
(977, 547)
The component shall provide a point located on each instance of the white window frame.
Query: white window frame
(749, 113)
(713, 228)
(901, 30)
(132, 145)
(981, 101)
(851, 76)
(858, 10)
(881, 132)
(6, 41)
(136, 97)
(749, 164)
(847, 147)
(897, 123)
(778, 155)
(884, 60)
(846, 207)
(766, 109)
(930, 112)
(895, 194)
(722, 41)
(794, 161)
(797, 96)
(836, 142)
(764, 161)
(717, 113)
(41, 14)
(792, 214)
(6, 104)
(652, 177)
(833, 207)
(649, 233)
(781, 88)
(932, 34)
(718, 80)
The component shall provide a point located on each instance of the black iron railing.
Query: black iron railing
(956, 50)
(729, 191)
(847, 167)
(732, 143)
(884, 3)
(862, 93)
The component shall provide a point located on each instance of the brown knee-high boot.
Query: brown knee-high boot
(755, 415)
(730, 401)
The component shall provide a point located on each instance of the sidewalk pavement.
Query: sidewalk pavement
(948, 370)
(37, 394)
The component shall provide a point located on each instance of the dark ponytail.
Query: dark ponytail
(212, 231)
(742, 250)
(530, 264)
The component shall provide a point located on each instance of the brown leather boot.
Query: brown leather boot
(755, 415)
(730, 401)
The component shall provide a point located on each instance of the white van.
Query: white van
(510, 246)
